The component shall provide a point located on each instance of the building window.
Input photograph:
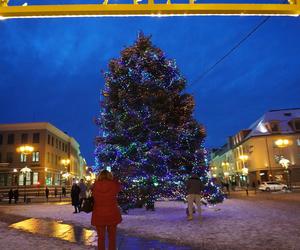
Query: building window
(298, 142)
(2, 179)
(23, 158)
(48, 157)
(10, 157)
(274, 126)
(1, 139)
(49, 179)
(63, 147)
(56, 143)
(57, 179)
(24, 138)
(36, 138)
(55, 159)
(22, 177)
(35, 178)
(52, 158)
(36, 156)
(52, 141)
(10, 139)
(297, 125)
(59, 145)
(49, 139)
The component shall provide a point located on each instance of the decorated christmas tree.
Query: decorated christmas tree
(148, 136)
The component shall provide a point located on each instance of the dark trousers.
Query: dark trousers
(112, 233)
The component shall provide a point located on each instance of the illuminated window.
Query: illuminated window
(35, 178)
(298, 142)
(49, 179)
(23, 158)
(36, 156)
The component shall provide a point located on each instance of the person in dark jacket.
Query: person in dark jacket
(47, 193)
(10, 196)
(75, 191)
(106, 214)
(195, 190)
(16, 195)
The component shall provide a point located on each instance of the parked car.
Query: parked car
(272, 186)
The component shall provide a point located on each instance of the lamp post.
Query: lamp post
(25, 150)
(285, 163)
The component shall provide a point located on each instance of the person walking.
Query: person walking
(195, 190)
(106, 214)
(55, 192)
(47, 193)
(63, 191)
(82, 194)
(16, 195)
(10, 196)
(75, 191)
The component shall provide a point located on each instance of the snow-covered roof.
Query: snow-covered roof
(282, 117)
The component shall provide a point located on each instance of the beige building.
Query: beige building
(54, 161)
(268, 150)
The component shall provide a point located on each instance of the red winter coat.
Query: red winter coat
(106, 210)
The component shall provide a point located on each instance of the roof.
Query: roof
(282, 116)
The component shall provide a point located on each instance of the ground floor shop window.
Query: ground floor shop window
(22, 179)
(35, 178)
(49, 179)
(2, 179)
(57, 180)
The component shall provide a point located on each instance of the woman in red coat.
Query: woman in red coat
(106, 214)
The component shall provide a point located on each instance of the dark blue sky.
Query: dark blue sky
(50, 68)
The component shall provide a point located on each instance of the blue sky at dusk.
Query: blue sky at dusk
(50, 68)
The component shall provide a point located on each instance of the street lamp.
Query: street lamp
(25, 150)
(281, 143)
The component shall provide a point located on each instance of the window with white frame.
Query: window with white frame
(23, 157)
(36, 156)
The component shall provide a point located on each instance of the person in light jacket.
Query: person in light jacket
(195, 190)
(106, 214)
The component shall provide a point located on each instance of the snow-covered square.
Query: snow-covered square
(262, 221)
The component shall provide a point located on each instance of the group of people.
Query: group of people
(13, 194)
(106, 214)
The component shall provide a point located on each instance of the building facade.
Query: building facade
(268, 150)
(54, 161)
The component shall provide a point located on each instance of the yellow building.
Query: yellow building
(55, 158)
(268, 150)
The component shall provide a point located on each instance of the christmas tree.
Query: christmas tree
(148, 136)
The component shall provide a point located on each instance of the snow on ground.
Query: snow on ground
(239, 224)
(13, 239)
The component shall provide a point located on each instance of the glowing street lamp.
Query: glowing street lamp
(281, 143)
(26, 149)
